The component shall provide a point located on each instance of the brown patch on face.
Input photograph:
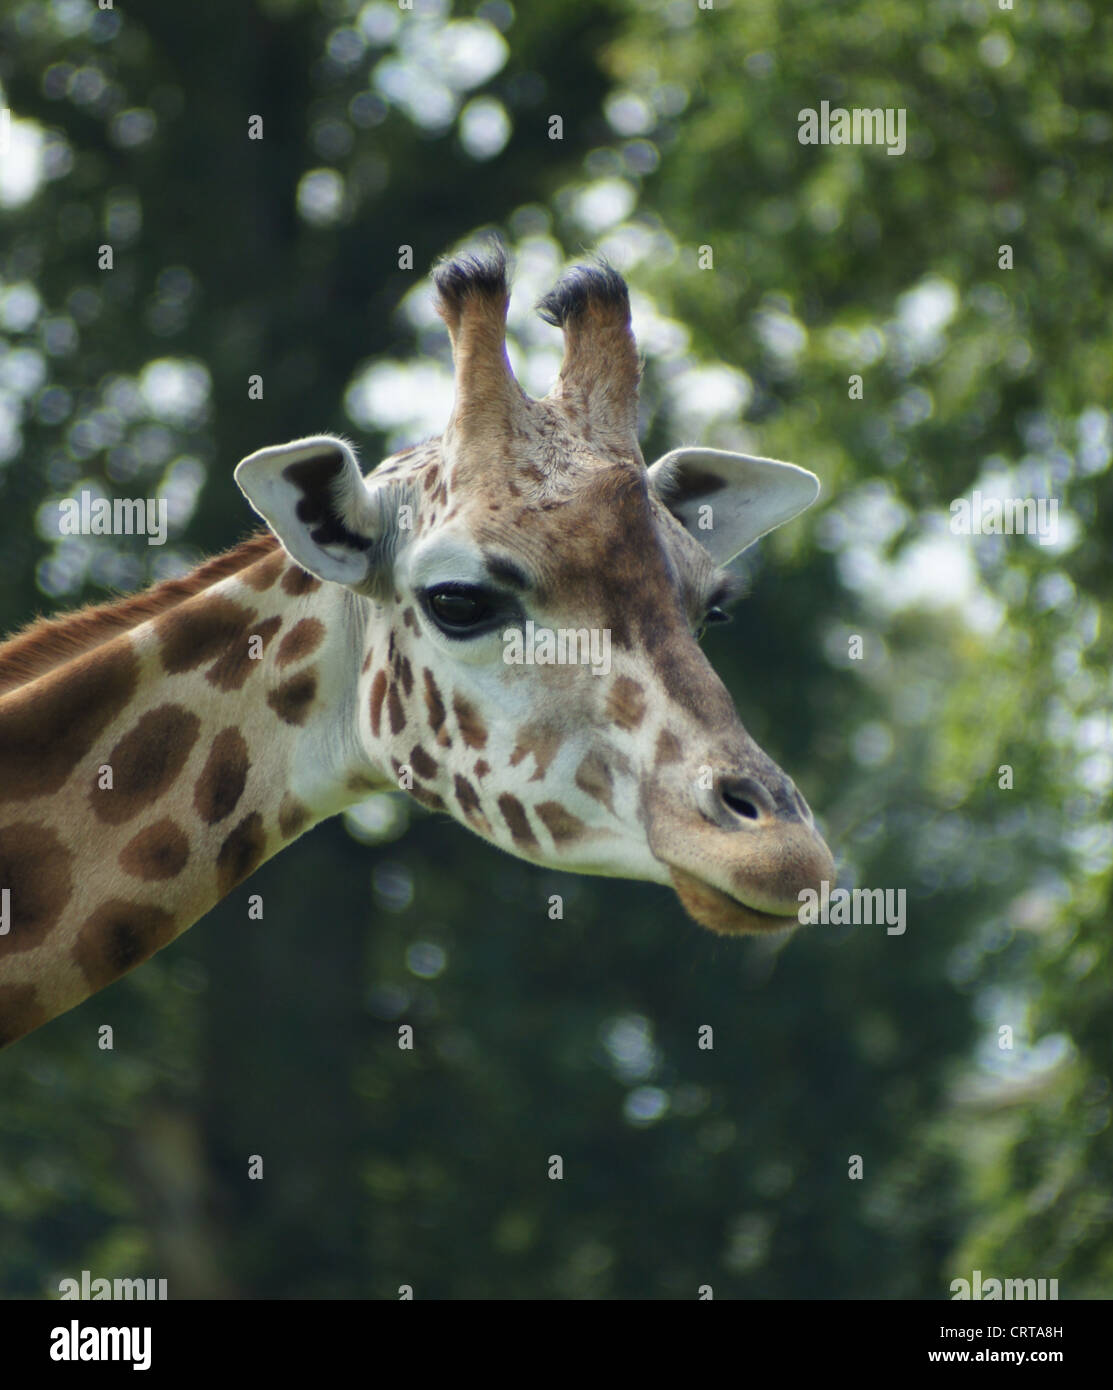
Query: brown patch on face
(20, 1012)
(514, 814)
(161, 851)
(240, 853)
(230, 671)
(406, 672)
(261, 575)
(35, 868)
(472, 729)
(48, 727)
(626, 703)
(562, 825)
(297, 581)
(145, 763)
(434, 708)
(301, 641)
(482, 767)
(422, 763)
(468, 798)
(428, 799)
(594, 777)
(378, 695)
(637, 594)
(200, 631)
(409, 619)
(117, 937)
(292, 699)
(363, 670)
(668, 748)
(395, 710)
(540, 739)
(292, 816)
(220, 786)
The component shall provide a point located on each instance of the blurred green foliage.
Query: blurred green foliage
(765, 274)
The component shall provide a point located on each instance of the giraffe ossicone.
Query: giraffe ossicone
(154, 751)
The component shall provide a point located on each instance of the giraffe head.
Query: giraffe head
(526, 598)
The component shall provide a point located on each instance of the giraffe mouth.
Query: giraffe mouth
(719, 912)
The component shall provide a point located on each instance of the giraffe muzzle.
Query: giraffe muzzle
(752, 850)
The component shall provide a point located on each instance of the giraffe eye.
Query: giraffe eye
(459, 608)
(713, 615)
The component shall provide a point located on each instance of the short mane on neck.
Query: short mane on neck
(46, 643)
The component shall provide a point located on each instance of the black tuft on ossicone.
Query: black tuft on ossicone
(483, 273)
(581, 286)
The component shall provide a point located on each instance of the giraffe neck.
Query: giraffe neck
(149, 775)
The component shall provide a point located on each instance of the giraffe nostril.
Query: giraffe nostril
(745, 799)
(740, 805)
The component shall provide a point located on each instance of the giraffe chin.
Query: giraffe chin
(721, 913)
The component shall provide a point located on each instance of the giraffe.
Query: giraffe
(155, 750)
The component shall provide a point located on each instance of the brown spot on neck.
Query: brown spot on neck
(241, 853)
(118, 936)
(262, 574)
(48, 726)
(159, 852)
(301, 641)
(291, 700)
(292, 816)
(297, 581)
(206, 628)
(145, 763)
(223, 778)
(35, 866)
(239, 660)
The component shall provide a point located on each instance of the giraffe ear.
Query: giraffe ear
(728, 501)
(314, 498)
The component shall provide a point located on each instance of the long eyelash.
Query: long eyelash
(729, 588)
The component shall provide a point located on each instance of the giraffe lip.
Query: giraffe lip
(719, 912)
